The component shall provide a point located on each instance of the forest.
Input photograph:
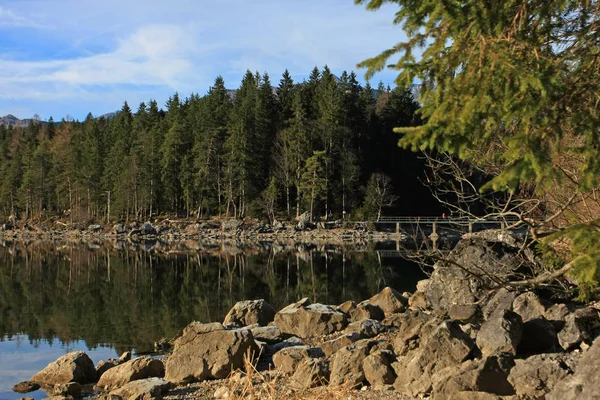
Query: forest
(324, 145)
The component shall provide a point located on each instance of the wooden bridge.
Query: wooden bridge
(463, 224)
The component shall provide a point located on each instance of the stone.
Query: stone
(537, 375)
(309, 320)
(500, 302)
(148, 229)
(377, 368)
(422, 285)
(529, 306)
(463, 312)
(231, 224)
(581, 326)
(95, 228)
(483, 375)
(366, 310)
(250, 312)
(105, 365)
(332, 346)
(556, 314)
(390, 301)
(475, 264)
(539, 336)
(446, 346)
(72, 367)
(418, 301)
(206, 351)
(268, 334)
(367, 328)
(289, 342)
(413, 327)
(287, 360)
(132, 370)
(311, 373)
(222, 393)
(584, 384)
(72, 389)
(25, 387)
(500, 334)
(347, 365)
(142, 389)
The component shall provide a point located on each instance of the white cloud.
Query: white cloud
(10, 18)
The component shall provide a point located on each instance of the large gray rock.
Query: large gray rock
(332, 346)
(501, 333)
(581, 326)
(288, 360)
(475, 264)
(139, 368)
(311, 373)
(446, 346)
(585, 383)
(347, 365)
(206, 351)
(366, 328)
(366, 310)
(250, 312)
(308, 320)
(413, 327)
(72, 367)
(500, 302)
(150, 388)
(377, 368)
(390, 301)
(535, 376)
(529, 306)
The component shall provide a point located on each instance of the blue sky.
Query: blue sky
(71, 57)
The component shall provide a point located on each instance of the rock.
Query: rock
(287, 360)
(94, 228)
(367, 328)
(149, 388)
(537, 375)
(584, 384)
(231, 225)
(120, 229)
(347, 306)
(104, 366)
(126, 356)
(413, 326)
(162, 345)
(474, 264)
(332, 346)
(268, 334)
(347, 365)
(139, 368)
(557, 314)
(289, 342)
(500, 302)
(378, 369)
(308, 320)
(529, 306)
(148, 229)
(581, 326)
(446, 346)
(422, 285)
(25, 387)
(501, 333)
(72, 389)
(222, 393)
(418, 301)
(539, 336)
(390, 301)
(366, 310)
(208, 351)
(484, 375)
(310, 374)
(463, 312)
(72, 367)
(250, 312)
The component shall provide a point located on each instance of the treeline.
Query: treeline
(324, 145)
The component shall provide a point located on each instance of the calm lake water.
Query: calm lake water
(106, 298)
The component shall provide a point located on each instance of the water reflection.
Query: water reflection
(127, 296)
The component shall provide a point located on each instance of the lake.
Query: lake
(109, 297)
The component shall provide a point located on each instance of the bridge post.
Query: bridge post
(470, 227)
(434, 226)
(502, 225)
(397, 227)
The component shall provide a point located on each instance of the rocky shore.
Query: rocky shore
(453, 338)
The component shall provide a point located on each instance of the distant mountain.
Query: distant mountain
(11, 120)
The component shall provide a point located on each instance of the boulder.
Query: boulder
(150, 388)
(539, 336)
(475, 264)
(581, 326)
(584, 384)
(500, 302)
(446, 346)
(535, 376)
(347, 306)
(556, 314)
(332, 346)
(390, 301)
(250, 312)
(94, 228)
(367, 328)
(287, 360)
(529, 306)
(501, 333)
(347, 365)
(72, 367)
(209, 351)
(139, 368)
(311, 373)
(231, 225)
(377, 368)
(148, 229)
(308, 320)
(464, 312)
(418, 301)
(484, 375)
(413, 327)
(268, 334)
(25, 387)
(366, 310)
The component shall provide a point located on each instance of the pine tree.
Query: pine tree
(314, 180)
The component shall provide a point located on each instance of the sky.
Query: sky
(70, 57)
